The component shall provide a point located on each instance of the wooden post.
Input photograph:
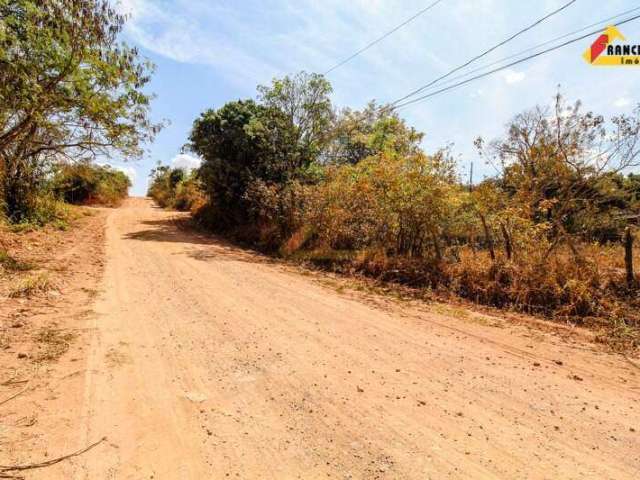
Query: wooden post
(628, 256)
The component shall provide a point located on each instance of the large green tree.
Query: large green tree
(69, 89)
(304, 100)
(240, 143)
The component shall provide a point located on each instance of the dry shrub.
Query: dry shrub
(401, 204)
(412, 272)
(189, 196)
(85, 183)
(560, 287)
(554, 287)
(296, 241)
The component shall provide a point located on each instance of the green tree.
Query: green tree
(240, 143)
(358, 134)
(304, 100)
(68, 89)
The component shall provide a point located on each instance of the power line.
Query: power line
(377, 40)
(486, 52)
(490, 72)
(497, 62)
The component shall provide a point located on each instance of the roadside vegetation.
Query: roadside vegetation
(176, 188)
(551, 233)
(83, 183)
(70, 92)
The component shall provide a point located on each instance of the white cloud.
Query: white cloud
(513, 76)
(186, 162)
(622, 102)
(128, 170)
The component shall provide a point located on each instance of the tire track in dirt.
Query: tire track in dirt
(210, 362)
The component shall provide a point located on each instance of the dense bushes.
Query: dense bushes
(243, 143)
(84, 183)
(176, 188)
(542, 236)
(401, 205)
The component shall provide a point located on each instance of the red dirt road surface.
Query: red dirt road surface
(204, 361)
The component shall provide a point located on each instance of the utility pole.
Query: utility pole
(471, 178)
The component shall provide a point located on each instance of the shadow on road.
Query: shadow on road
(209, 247)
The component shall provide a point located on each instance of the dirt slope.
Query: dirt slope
(43, 335)
(208, 362)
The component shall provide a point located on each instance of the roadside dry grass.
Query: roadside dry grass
(48, 279)
(612, 318)
(29, 286)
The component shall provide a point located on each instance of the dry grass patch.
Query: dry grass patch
(10, 264)
(52, 344)
(29, 286)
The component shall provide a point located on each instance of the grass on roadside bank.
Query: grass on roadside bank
(26, 287)
(595, 299)
(49, 212)
(10, 264)
(21, 253)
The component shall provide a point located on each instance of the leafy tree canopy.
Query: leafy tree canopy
(68, 88)
(304, 99)
(239, 143)
(358, 134)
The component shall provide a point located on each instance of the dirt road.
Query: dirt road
(208, 362)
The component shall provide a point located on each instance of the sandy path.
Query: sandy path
(211, 363)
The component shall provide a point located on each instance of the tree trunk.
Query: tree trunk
(436, 245)
(488, 238)
(628, 256)
(507, 241)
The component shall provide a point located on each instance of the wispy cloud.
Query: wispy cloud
(258, 40)
(171, 31)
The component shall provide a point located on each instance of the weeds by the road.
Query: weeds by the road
(8, 263)
(31, 285)
(53, 343)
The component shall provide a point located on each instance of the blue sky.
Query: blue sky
(209, 52)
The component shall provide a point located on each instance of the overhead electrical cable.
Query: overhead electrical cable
(602, 23)
(379, 39)
(486, 52)
(490, 72)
